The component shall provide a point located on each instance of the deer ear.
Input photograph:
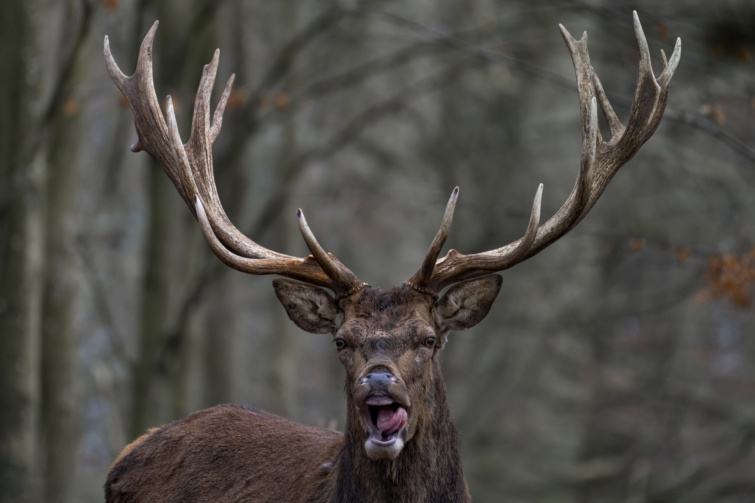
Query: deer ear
(467, 303)
(310, 307)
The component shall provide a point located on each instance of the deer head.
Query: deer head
(388, 340)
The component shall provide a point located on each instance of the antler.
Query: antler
(600, 162)
(189, 167)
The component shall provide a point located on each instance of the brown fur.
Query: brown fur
(230, 453)
(133, 445)
(222, 454)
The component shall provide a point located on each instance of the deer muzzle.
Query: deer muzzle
(383, 402)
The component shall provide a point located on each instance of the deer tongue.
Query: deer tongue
(390, 421)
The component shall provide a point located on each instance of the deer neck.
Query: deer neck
(428, 469)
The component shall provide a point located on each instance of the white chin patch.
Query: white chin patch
(376, 451)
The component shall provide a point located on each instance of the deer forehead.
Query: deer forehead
(397, 314)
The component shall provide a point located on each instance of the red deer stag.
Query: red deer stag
(399, 444)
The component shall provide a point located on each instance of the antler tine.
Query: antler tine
(140, 93)
(423, 276)
(307, 270)
(524, 244)
(330, 264)
(600, 160)
(186, 178)
(190, 169)
(669, 66)
(217, 118)
(617, 128)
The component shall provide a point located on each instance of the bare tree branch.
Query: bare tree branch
(435, 35)
(64, 78)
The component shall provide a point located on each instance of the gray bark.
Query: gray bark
(61, 400)
(22, 192)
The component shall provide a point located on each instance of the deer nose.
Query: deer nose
(378, 378)
(380, 384)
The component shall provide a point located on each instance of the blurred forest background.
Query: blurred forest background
(616, 366)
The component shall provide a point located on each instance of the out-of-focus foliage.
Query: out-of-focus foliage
(618, 365)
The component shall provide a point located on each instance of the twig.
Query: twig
(64, 80)
(438, 36)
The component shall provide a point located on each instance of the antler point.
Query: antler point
(151, 33)
(454, 196)
(538, 200)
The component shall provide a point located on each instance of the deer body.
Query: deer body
(400, 444)
(230, 453)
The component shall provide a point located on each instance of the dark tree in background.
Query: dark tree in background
(616, 366)
(21, 251)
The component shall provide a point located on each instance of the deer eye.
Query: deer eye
(430, 342)
(340, 344)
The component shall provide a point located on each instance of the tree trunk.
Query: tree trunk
(22, 187)
(149, 407)
(285, 337)
(60, 405)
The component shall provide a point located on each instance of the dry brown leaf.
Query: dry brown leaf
(663, 31)
(238, 97)
(682, 254)
(70, 106)
(714, 111)
(636, 245)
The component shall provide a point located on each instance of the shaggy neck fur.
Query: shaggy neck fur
(428, 469)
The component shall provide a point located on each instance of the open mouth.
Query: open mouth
(385, 418)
